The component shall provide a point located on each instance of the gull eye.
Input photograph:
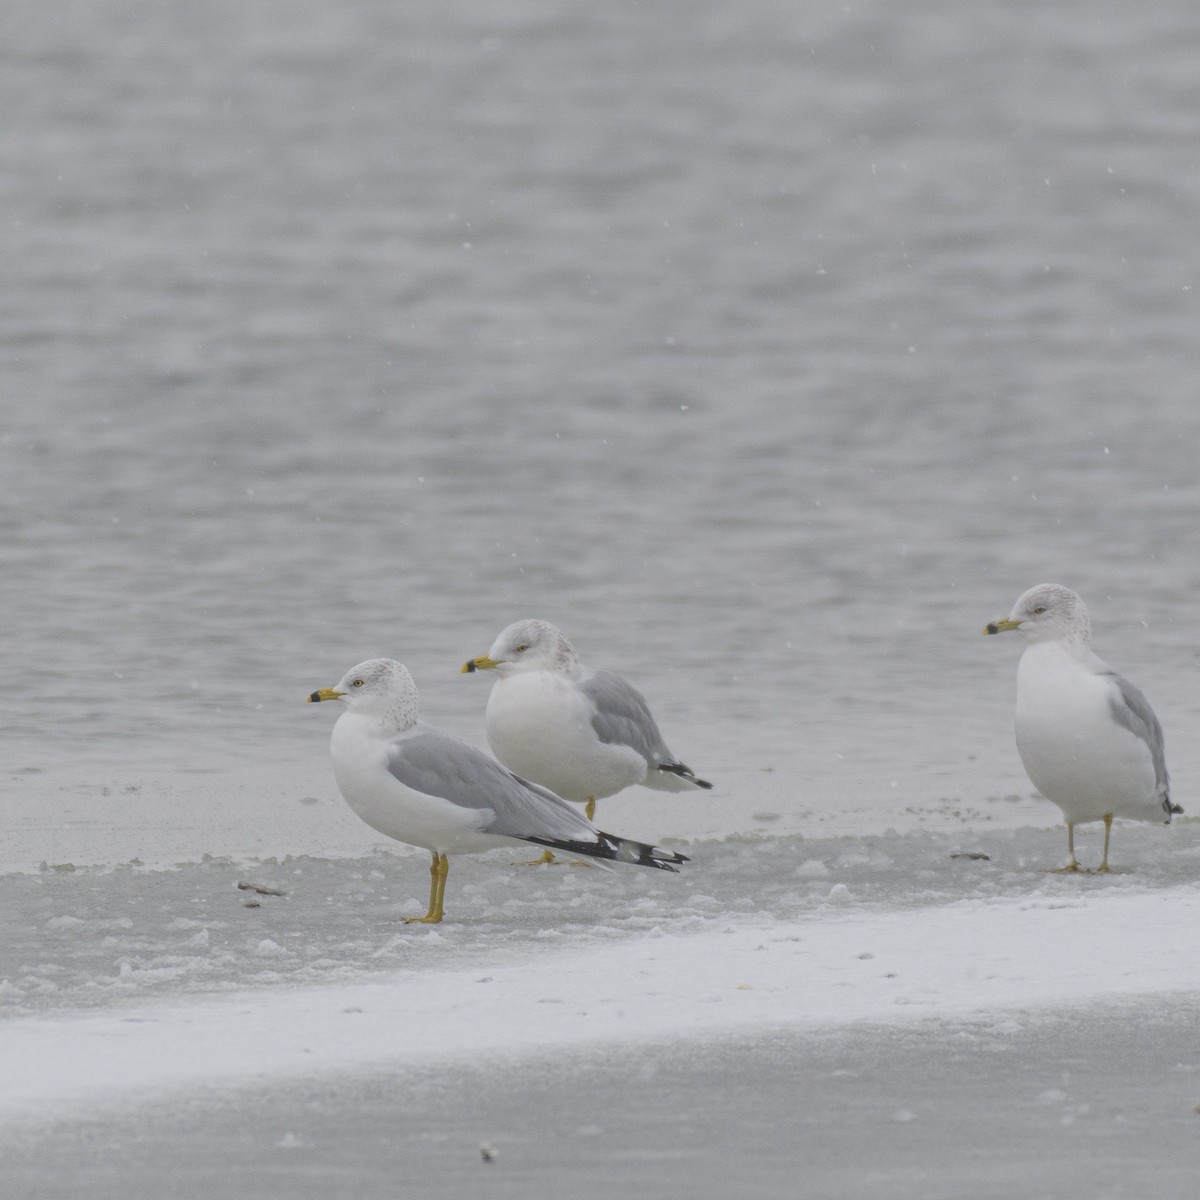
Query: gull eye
(522, 648)
(1041, 608)
(358, 683)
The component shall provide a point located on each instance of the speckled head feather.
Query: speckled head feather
(383, 688)
(537, 645)
(1050, 612)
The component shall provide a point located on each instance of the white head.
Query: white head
(1047, 613)
(529, 646)
(379, 687)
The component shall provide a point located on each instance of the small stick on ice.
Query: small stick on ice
(260, 888)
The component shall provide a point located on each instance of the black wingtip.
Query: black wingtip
(684, 772)
(618, 849)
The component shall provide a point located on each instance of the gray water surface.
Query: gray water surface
(768, 350)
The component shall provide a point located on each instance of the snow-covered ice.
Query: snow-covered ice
(138, 995)
(620, 982)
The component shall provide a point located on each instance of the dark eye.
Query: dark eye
(1041, 608)
(357, 683)
(522, 648)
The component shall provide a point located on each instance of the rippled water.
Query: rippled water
(767, 349)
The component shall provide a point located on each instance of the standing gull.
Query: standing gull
(583, 734)
(422, 787)
(1088, 738)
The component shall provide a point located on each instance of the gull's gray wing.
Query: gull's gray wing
(439, 765)
(622, 717)
(1131, 710)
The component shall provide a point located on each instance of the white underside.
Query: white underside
(359, 754)
(1074, 751)
(539, 726)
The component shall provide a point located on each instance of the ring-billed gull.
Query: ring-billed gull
(1088, 738)
(430, 790)
(583, 734)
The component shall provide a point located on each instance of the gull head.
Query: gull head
(1047, 613)
(378, 687)
(528, 646)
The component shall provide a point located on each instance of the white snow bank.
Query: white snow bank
(828, 969)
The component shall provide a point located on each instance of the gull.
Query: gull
(430, 790)
(1088, 738)
(584, 734)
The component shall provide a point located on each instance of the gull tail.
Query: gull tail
(1169, 809)
(675, 777)
(618, 849)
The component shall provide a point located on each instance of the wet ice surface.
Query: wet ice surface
(889, 1014)
(1092, 1102)
(1097, 1102)
(85, 937)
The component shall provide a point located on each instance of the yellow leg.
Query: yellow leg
(439, 868)
(548, 859)
(1072, 865)
(1104, 868)
(545, 860)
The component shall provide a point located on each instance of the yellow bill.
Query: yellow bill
(1001, 626)
(482, 663)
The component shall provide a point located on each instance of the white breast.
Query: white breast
(360, 756)
(1073, 749)
(539, 725)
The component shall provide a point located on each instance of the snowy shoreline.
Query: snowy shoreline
(978, 958)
